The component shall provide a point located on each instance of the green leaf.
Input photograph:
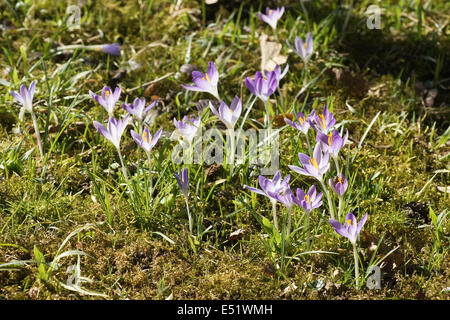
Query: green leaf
(433, 218)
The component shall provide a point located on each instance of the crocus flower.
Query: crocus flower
(332, 142)
(272, 16)
(107, 99)
(339, 184)
(262, 87)
(109, 48)
(228, 115)
(271, 188)
(301, 123)
(205, 82)
(286, 197)
(304, 50)
(183, 181)
(310, 200)
(114, 130)
(351, 228)
(280, 75)
(146, 141)
(138, 109)
(112, 48)
(314, 166)
(187, 127)
(324, 122)
(25, 97)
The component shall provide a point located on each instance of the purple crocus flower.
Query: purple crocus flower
(262, 87)
(107, 99)
(280, 75)
(228, 115)
(271, 188)
(332, 142)
(350, 229)
(314, 166)
(111, 48)
(286, 197)
(187, 127)
(310, 200)
(138, 109)
(304, 50)
(25, 97)
(114, 130)
(205, 82)
(324, 122)
(339, 184)
(301, 123)
(183, 181)
(272, 16)
(146, 141)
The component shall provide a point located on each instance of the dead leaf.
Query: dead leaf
(444, 189)
(236, 235)
(270, 54)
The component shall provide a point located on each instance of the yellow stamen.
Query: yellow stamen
(349, 222)
(106, 93)
(301, 120)
(314, 163)
(324, 125)
(330, 138)
(270, 12)
(306, 197)
(206, 77)
(340, 180)
(145, 137)
(304, 45)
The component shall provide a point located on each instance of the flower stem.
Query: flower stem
(267, 122)
(189, 215)
(232, 146)
(355, 256)
(341, 207)
(274, 213)
(308, 240)
(288, 231)
(38, 134)
(309, 144)
(336, 163)
(125, 173)
(330, 203)
(149, 159)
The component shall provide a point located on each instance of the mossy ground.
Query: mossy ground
(397, 171)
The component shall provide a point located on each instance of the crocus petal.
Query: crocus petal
(17, 97)
(137, 138)
(309, 44)
(156, 137)
(252, 189)
(339, 228)
(103, 130)
(299, 170)
(361, 223)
